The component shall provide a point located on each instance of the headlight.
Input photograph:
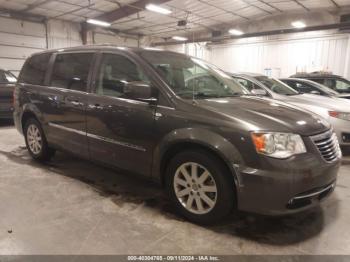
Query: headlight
(340, 115)
(278, 145)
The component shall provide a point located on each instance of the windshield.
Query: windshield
(7, 77)
(192, 78)
(276, 86)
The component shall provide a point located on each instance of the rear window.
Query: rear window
(71, 71)
(34, 70)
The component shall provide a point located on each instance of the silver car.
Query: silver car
(306, 86)
(335, 110)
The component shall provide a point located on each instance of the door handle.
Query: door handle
(76, 103)
(157, 115)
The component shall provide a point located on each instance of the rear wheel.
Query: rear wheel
(200, 186)
(36, 141)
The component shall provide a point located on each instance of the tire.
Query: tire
(211, 175)
(36, 142)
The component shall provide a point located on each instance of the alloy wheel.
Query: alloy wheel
(195, 188)
(34, 139)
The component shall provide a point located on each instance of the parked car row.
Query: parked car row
(334, 109)
(215, 144)
(337, 83)
(7, 85)
(310, 87)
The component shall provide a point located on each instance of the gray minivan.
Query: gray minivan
(180, 121)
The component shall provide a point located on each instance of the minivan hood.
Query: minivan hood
(257, 113)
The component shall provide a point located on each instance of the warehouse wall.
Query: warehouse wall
(347, 61)
(194, 49)
(63, 34)
(19, 39)
(100, 37)
(282, 56)
(279, 56)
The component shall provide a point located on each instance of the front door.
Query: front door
(120, 130)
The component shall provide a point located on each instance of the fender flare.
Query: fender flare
(205, 138)
(32, 109)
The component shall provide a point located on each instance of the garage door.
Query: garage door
(18, 40)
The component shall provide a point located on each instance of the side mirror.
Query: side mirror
(259, 92)
(139, 90)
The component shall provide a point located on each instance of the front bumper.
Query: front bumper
(287, 186)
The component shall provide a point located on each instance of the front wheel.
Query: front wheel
(36, 141)
(200, 186)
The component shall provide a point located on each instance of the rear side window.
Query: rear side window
(34, 69)
(71, 71)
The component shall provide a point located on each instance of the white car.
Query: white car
(335, 110)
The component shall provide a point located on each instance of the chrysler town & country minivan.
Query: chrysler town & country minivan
(180, 121)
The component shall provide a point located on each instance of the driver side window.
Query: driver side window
(115, 72)
(188, 79)
(248, 84)
(304, 88)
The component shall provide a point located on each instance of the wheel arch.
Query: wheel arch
(30, 111)
(198, 139)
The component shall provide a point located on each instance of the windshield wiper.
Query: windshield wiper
(206, 95)
(233, 95)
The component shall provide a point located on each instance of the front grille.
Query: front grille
(328, 145)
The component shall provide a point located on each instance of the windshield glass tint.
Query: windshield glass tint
(276, 86)
(192, 78)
